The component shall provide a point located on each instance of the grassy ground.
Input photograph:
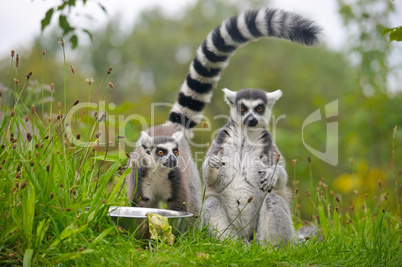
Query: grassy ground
(47, 180)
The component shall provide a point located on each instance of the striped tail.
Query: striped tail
(213, 55)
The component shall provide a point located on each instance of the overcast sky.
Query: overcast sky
(20, 19)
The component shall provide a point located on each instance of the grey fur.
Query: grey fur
(182, 183)
(242, 163)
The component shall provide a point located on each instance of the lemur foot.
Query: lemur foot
(268, 179)
(215, 161)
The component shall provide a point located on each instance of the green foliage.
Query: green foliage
(64, 10)
(395, 34)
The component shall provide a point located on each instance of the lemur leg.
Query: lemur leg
(216, 217)
(275, 221)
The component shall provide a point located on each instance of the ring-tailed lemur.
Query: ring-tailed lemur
(241, 163)
(211, 58)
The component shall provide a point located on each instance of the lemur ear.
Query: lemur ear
(177, 136)
(230, 96)
(273, 96)
(145, 140)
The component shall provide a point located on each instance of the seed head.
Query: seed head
(32, 163)
(78, 137)
(278, 157)
(59, 105)
(17, 82)
(204, 124)
(61, 41)
(363, 207)
(72, 69)
(26, 118)
(103, 117)
(33, 110)
(12, 113)
(109, 70)
(61, 185)
(352, 207)
(68, 209)
(52, 87)
(29, 75)
(379, 183)
(294, 162)
(121, 137)
(51, 195)
(41, 145)
(43, 52)
(95, 148)
(128, 155)
(98, 135)
(47, 168)
(338, 200)
(24, 184)
(17, 61)
(12, 53)
(250, 199)
(95, 114)
(309, 159)
(111, 85)
(76, 102)
(89, 80)
(29, 137)
(308, 192)
(296, 190)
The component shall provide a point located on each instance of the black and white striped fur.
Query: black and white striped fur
(213, 55)
(196, 91)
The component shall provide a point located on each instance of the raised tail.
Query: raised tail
(221, 43)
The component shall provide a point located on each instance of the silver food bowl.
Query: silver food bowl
(134, 219)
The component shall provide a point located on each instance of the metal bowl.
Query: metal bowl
(134, 219)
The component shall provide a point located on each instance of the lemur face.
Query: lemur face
(251, 107)
(160, 151)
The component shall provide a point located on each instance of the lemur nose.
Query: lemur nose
(172, 161)
(250, 121)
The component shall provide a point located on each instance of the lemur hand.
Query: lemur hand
(215, 161)
(268, 179)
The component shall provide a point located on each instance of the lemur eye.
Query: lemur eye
(176, 152)
(259, 110)
(160, 152)
(241, 109)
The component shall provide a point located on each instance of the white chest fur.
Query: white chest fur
(241, 158)
(157, 186)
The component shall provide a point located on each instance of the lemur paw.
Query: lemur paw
(267, 180)
(215, 161)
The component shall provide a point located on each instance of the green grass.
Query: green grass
(47, 181)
